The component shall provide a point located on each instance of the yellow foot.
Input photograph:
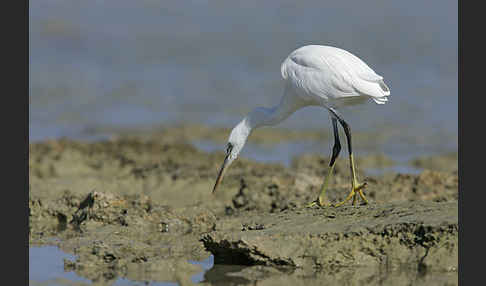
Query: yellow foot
(357, 190)
(320, 202)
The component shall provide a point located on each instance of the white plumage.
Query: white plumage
(315, 75)
(331, 75)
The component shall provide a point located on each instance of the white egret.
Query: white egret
(316, 75)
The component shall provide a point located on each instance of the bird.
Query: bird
(316, 75)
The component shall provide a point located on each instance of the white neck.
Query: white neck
(263, 116)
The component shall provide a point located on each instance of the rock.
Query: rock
(423, 236)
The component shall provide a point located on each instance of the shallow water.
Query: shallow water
(46, 267)
(285, 152)
(147, 63)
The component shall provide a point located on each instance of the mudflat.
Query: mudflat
(141, 208)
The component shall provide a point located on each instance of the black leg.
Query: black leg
(357, 188)
(347, 129)
(337, 145)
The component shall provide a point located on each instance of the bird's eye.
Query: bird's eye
(228, 148)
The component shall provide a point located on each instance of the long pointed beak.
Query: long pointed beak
(221, 172)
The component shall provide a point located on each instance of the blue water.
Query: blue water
(46, 267)
(206, 264)
(144, 63)
(285, 152)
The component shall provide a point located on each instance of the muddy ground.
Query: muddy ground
(141, 207)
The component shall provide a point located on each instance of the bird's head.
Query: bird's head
(236, 141)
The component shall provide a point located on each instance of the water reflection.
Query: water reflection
(46, 267)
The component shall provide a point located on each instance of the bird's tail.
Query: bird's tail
(377, 90)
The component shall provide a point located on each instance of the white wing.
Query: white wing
(333, 73)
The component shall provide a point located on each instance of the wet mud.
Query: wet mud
(141, 208)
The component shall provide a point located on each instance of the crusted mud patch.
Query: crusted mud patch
(127, 236)
(422, 236)
(141, 208)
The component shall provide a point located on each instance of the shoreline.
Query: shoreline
(141, 208)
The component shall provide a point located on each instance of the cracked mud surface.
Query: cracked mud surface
(141, 208)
